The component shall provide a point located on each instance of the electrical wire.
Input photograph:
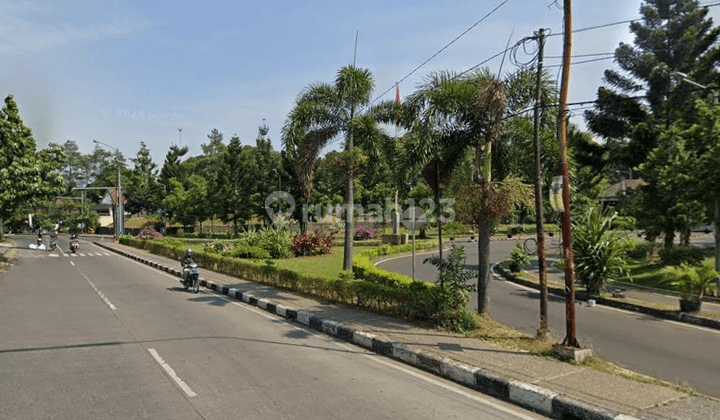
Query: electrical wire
(490, 13)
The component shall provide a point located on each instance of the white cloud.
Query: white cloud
(27, 27)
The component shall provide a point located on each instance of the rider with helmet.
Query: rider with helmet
(185, 261)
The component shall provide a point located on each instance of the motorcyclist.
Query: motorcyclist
(185, 261)
(40, 237)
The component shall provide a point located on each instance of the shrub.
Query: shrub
(678, 255)
(243, 249)
(518, 258)
(149, 233)
(599, 252)
(623, 223)
(317, 243)
(693, 282)
(456, 228)
(362, 233)
(452, 288)
(640, 250)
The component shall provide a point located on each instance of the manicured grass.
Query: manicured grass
(326, 266)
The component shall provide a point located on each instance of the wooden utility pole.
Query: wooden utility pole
(542, 262)
(570, 337)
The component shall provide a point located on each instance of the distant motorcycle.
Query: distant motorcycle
(53, 242)
(74, 245)
(192, 280)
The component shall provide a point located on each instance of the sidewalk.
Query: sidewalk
(557, 389)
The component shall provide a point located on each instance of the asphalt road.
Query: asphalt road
(97, 336)
(667, 350)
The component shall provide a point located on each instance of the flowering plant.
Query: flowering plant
(149, 233)
(363, 232)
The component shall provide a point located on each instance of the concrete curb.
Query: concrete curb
(658, 313)
(523, 394)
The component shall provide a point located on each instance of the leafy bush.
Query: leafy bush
(518, 258)
(362, 233)
(599, 251)
(623, 223)
(452, 291)
(678, 255)
(242, 249)
(317, 243)
(456, 228)
(640, 250)
(149, 233)
(693, 281)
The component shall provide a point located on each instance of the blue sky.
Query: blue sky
(127, 71)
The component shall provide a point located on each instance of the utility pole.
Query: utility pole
(543, 331)
(570, 336)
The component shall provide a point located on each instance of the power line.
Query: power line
(441, 50)
(606, 25)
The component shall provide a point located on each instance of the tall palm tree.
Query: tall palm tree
(327, 112)
(449, 114)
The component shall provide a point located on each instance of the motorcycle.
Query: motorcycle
(53, 243)
(192, 279)
(74, 245)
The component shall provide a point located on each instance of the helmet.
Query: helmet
(189, 252)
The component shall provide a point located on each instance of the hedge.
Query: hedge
(372, 288)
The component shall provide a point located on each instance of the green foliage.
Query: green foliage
(26, 176)
(693, 281)
(623, 223)
(452, 289)
(518, 258)
(599, 252)
(502, 198)
(457, 228)
(640, 250)
(679, 255)
(260, 244)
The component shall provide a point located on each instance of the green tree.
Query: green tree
(639, 103)
(25, 175)
(232, 186)
(143, 189)
(215, 146)
(448, 115)
(324, 112)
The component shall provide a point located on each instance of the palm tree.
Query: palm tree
(449, 114)
(324, 113)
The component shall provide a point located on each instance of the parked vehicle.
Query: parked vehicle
(191, 277)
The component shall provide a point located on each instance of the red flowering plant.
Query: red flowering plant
(363, 232)
(149, 233)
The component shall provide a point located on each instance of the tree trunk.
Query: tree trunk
(483, 299)
(669, 236)
(349, 213)
(2, 229)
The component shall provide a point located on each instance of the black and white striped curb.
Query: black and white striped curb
(526, 395)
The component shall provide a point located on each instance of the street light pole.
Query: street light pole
(120, 213)
(685, 78)
(279, 182)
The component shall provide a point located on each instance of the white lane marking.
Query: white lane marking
(106, 254)
(102, 296)
(82, 255)
(445, 386)
(352, 348)
(72, 263)
(189, 392)
(626, 312)
(74, 255)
